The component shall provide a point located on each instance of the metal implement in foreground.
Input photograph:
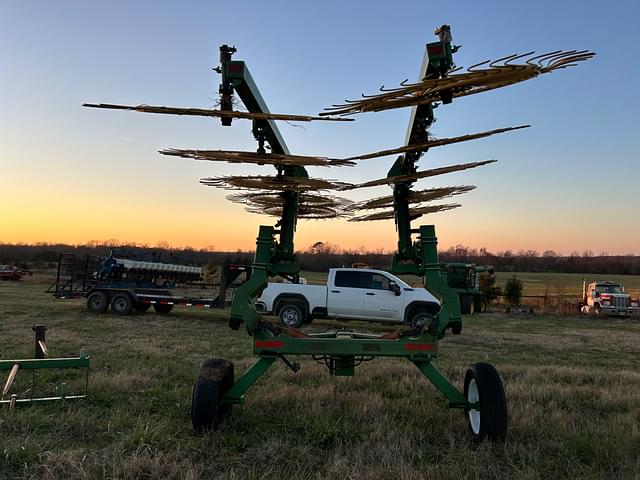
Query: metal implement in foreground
(287, 196)
(41, 362)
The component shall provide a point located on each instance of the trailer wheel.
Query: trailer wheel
(291, 316)
(141, 307)
(214, 380)
(483, 386)
(162, 307)
(97, 302)
(456, 328)
(122, 304)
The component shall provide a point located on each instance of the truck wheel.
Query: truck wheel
(483, 386)
(97, 302)
(291, 316)
(456, 328)
(479, 304)
(597, 310)
(214, 380)
(141, 307)
(421, 320)
(162, 307)
(122, 304)
(466, 304)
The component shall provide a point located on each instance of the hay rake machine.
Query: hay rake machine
(291, 194)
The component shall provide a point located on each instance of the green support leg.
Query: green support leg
(452, 394)
(242, 309)
(248, 378)
(435, 280)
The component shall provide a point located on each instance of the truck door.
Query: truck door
(380, 302)
(345, 297)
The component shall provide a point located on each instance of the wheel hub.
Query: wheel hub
(290, 317)
(474, 415)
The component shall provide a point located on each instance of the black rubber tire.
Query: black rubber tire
(490, 421)
(98, 302)
(456, 328)
(141, 307)
(479, 305)
(162, 307)
(421, 319)
(121, 304)
(291, 315)
(215, 378)
(597, 310)
(466, 304)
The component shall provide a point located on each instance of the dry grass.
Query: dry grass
(572, 386)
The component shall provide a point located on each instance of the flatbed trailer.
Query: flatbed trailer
(124, 301)
(75, 279)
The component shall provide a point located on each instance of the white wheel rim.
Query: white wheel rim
(290, 317)
(474, 415)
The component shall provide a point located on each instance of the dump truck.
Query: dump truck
(607, 298)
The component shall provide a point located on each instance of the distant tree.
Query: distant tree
(513, 291)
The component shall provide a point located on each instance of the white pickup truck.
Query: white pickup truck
(350, 293)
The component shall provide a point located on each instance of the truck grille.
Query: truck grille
(620, 302)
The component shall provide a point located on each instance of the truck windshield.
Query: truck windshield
(608, 289)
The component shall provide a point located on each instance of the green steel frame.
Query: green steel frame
(420, 257)
(34, 364)
(341, 351)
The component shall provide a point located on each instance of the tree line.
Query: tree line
(321, 256)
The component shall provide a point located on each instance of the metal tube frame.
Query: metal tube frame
(35, 364)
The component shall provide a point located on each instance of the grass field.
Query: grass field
(573, 387)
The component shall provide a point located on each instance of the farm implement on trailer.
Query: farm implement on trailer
(291, 194)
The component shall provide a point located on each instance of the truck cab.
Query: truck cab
(607, 298)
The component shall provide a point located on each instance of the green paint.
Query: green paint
(35, 364)
(248, 378)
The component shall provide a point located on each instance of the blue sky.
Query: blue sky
(73, 174)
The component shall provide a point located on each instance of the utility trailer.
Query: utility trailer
(128, 286)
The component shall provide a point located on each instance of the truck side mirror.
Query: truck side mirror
(394, 287)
